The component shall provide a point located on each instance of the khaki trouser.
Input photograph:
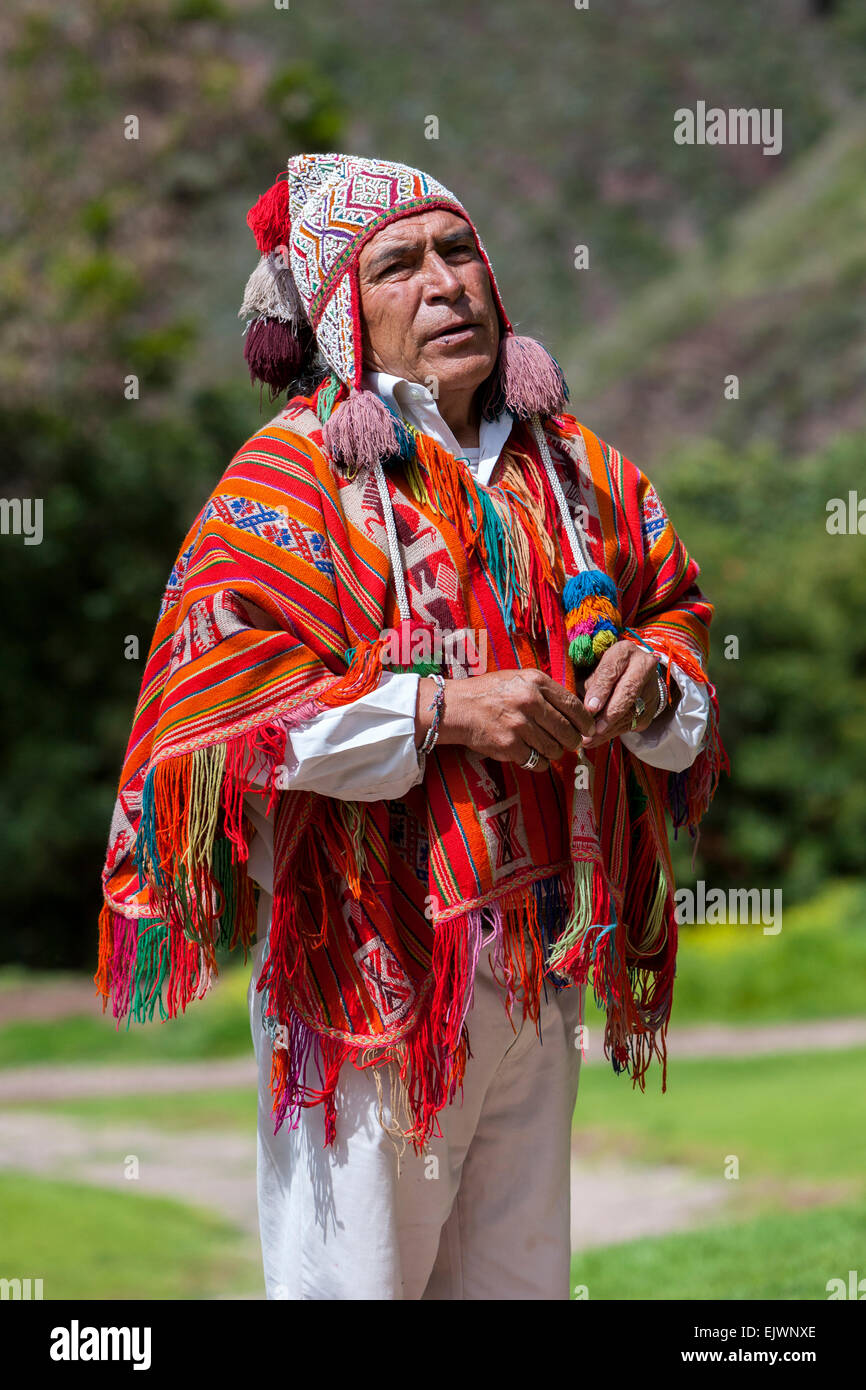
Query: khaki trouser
(484, 1214)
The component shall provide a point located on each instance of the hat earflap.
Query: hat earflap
(527, 380)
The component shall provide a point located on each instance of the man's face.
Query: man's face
(419, 276)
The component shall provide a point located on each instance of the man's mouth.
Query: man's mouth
(454, 330)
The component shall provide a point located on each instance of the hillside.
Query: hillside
(778, 299)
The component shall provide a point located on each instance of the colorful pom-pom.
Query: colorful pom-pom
(602, 640)
(592, 618)
(580, 651)
(587, 584)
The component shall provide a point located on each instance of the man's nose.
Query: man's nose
(442, 281)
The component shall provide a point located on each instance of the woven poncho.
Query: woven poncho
(276, 609)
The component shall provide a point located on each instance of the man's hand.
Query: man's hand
(624, 672)
(505, 714)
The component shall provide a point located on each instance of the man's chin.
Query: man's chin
(457, 362)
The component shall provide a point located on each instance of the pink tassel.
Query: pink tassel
(360, 431)
(273, 353)
(526, 380)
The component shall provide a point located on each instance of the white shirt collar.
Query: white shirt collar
(417, 405)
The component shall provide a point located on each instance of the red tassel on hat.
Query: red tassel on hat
(269, 220)
(278, 338)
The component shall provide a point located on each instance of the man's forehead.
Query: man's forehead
(419, 227)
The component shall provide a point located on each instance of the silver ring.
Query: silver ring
(639, 710)
(531, 761)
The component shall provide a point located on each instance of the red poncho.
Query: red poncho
(380, 909)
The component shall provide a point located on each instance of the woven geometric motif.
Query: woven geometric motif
(307, 175)
(503, 829)
(273, 524)
(248, 515)
(572, 467)
(653, 517)
(352, 197)
(431, 578)
(482, 769)
(335, 333)
(388, 986)
(175, 580)
(126, 810)
(584, 832)
(208, 622)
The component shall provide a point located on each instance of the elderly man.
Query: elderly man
(428, 673)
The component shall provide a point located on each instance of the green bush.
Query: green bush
(793, 812)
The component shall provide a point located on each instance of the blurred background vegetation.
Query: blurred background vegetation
(129, 257)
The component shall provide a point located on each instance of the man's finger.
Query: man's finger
(605, 676)
(523, 751)
(547, 717)
(569, 705)
(620, 709)
(534, 733)
(621, 701)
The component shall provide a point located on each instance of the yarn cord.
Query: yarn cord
(393, 544)
(582, 559)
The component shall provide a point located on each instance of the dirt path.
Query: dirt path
(757, 1039)
(201, 1168)
(63, 1082)
(60, 997)
(613, 1200)
(616, 1201)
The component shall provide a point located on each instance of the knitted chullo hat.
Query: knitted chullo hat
(310, 227)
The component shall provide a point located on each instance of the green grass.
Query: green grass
(216, 1026)
(85, 1243)
(795, 1116)
(783, 1256)
(813, 968)
(234, 1108)
(796, 1123)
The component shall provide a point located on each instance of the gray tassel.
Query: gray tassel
(271, 293)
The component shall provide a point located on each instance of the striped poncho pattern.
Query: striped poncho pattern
(278, 606)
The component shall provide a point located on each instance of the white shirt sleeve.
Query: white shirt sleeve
(363, 751)
(674, 740)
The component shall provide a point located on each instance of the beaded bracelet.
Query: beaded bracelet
(438, 702)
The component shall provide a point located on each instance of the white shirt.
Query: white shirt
(365, 751)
